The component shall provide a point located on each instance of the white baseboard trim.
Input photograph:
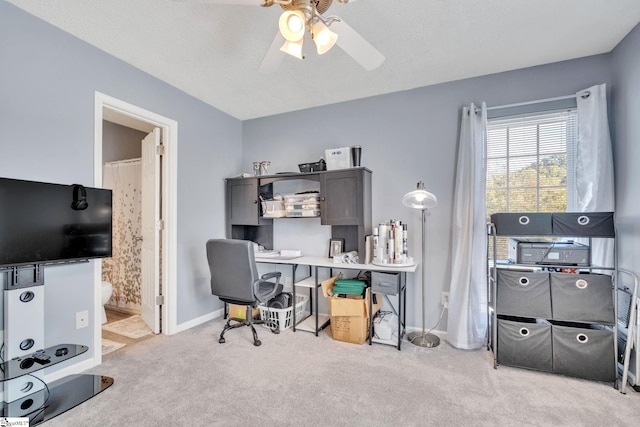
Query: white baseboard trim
(199, 320)
(91, 363)
(70, 370)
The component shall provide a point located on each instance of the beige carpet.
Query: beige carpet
(109, 346)
(132, 327)
(297, 379)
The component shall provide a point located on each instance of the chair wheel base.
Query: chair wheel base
(257, 343)
(221, 340)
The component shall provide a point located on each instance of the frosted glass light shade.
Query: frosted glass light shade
(419, 198)
(293, 48)
(323, 37)
(292, 25)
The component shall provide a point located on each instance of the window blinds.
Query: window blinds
(530, 162)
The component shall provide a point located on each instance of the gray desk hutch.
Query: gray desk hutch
(345, 205)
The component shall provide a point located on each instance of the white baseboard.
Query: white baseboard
(199, 320)
(80, 367)
(70, 370)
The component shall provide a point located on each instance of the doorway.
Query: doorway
(158, 159)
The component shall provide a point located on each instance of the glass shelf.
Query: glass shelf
(61, 395)
(19, 366)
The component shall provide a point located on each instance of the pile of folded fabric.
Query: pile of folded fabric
(349, 287)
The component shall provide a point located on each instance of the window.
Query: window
(530, 164)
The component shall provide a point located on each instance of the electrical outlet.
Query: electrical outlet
(444, 299)
(82, 319)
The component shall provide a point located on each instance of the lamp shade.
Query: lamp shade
(419, 198)
(293, 48)
(292, 25)
(323, 37)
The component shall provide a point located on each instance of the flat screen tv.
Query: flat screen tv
(44, 223)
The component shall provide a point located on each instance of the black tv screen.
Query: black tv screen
(44, 223)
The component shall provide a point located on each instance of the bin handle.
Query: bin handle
(523, 220)
(524, 332)
(583, 220)
(581, 284)
(582, 338)
(524, 281)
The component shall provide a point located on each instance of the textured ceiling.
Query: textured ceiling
(213, 51)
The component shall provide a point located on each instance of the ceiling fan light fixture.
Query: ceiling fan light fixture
(323, 37)
(293, 48)
(292, 25)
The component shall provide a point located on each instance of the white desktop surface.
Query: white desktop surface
(319, 261)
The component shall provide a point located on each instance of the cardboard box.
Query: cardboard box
(349, 317)
(240, 312)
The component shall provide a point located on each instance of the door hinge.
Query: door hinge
(160, 150)
(159, 299)
(160, 224)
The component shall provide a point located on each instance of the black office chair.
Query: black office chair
(235, 280)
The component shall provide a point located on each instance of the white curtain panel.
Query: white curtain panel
(124, 268)
(467, 321)
(594, 165)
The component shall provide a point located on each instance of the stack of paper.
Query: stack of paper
(266, 253)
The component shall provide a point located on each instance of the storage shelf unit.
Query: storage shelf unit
(544, 318)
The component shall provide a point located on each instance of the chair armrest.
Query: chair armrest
(271, 275)
(264, 279)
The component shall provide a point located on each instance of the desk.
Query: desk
(323, 262)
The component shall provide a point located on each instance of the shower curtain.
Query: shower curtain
(123, 269)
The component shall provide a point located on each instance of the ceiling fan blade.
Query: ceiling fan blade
(273, 58)
(234, 2)
(356, 46)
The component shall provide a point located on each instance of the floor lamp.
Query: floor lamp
(423, 200)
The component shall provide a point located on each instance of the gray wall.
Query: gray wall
(407, 137)
(120, 142)
(626, 147)
(46, 117)
(47, 120)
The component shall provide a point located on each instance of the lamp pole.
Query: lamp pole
(423, 339)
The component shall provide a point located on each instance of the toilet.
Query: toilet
(107, 290)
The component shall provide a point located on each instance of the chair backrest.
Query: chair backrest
(233, 269)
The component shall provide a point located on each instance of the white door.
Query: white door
(150, 230)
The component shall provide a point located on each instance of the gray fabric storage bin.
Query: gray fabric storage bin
(522, 224)
(582, 298)
(583, 351)
(521, 293)
(525, 343)
(385, 283)
(583, 224)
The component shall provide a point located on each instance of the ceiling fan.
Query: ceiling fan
(302, 16)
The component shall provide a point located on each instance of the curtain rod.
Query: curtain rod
(539, 101)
